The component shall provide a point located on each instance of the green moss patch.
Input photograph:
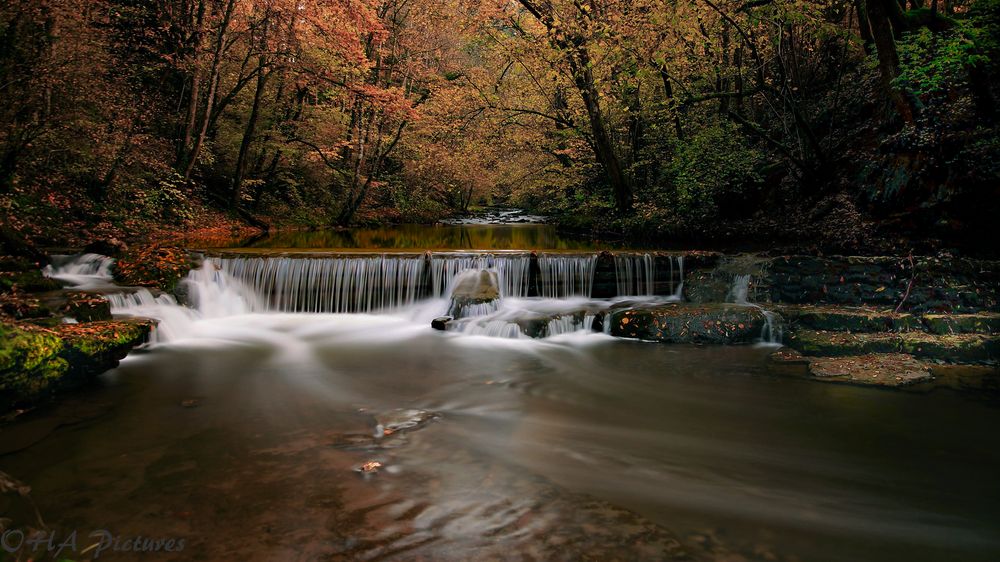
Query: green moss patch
(37, 361)
(982, 323)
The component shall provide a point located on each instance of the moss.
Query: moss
(815, 342)
(953, 348)
(983, 323)
(35, 361)
(849, 319)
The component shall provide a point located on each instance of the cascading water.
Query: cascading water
(636, 274)
(564, 276)
(84, 271)
(739, 292)
(512, 271)
(339, 284)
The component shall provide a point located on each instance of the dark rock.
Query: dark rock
(441, 322)
(689, 323)
(111, 247)
(86, 307)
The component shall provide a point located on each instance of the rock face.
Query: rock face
(892, 370)
(689, 323)
(475, 292)
(36, 361)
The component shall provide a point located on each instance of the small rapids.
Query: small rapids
(517, 434)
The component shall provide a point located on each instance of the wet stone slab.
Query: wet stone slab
(888, 369)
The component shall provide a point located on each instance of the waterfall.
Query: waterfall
(82, 271)
(740, 289)
(739, 293)
(337, 284)
(512, 271)
(569, 323)
(635, 274)
(564, 276)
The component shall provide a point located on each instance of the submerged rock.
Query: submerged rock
(890, 369)
(399, 420)
(690, 323)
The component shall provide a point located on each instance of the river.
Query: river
(256, 433)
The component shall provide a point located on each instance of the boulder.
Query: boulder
(689, 323)
(441, 322)
(475, 292)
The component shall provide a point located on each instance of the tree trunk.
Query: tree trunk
(604, 149)
(888, 58)
(195, 97)
(212, 88)
(248, 134)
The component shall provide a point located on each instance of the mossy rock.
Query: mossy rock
(982, 323)
(86, 307)
(153, 266)
(824, 343)
(21, 306)
(953, 348)
(36, 362)
(689, 323)
(30, 281)
(849, 319)
(879, 369)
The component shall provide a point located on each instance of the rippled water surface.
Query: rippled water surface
(243, 436)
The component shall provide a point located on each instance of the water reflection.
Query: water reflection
(434, 237)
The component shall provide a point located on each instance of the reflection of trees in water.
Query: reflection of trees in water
(419, 237)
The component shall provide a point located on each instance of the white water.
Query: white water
(85, 271)
(230, 289)
(739, 293)
(564, 276)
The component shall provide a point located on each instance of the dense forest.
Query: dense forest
(854, 123)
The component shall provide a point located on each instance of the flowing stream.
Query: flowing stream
(303, 408)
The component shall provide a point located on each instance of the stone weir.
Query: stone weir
(358, 281)
(361, 282)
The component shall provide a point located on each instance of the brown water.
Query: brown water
(243, 440)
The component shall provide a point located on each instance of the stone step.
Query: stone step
(980, 323)
(876, 369)
(848, 319)
(954, 348)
